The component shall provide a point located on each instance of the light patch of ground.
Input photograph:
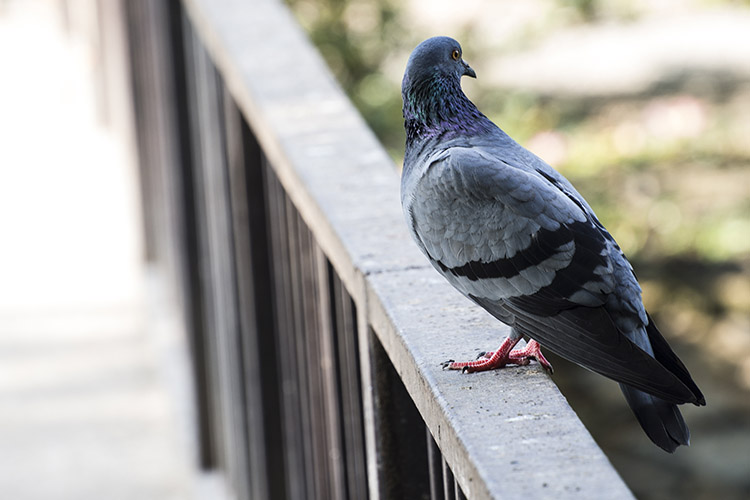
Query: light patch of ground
(85, 409)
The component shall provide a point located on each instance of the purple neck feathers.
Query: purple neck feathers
(439, 108)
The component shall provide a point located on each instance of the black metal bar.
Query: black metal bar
(300, 352)
(243, 156)
(349, 379)
(194, 73)
(255, 303)
(328, 364)
(284, 321)
(217, 268)
(307, 356)
(459, 492)
(435, 461)
(191, 289)
(403, 455)
(449, 483)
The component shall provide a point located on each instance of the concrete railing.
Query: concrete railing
(316, 328)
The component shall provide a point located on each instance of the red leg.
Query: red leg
(496, 359)
(532, 350)
(503, 356)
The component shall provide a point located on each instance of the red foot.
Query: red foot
(532, 351)
(503, 356)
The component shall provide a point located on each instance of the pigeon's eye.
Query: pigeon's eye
(456, 55)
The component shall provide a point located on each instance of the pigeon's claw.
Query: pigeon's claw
(531, 351)
(480, 365)
(487, 361)
(490, 360)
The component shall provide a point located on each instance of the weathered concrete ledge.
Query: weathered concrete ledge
(505, 434)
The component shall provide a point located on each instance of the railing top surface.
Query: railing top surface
(505, 434)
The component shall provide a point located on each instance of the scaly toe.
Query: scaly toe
(531, 351)
(447, 364)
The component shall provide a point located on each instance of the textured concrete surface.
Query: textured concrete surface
(86, 406)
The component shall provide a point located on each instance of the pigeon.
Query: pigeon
(515, 237)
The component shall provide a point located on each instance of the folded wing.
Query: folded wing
(527, 248)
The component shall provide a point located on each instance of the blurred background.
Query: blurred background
(643, 105)
(90, 360)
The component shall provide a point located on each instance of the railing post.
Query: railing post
(367, 346)
(216, 265)
(402, 452)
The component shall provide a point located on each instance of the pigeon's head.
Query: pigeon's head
(434, 103)
(438, 57)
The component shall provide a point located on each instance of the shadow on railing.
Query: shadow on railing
(316, 330)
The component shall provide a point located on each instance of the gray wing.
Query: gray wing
(525, 246)
(498, 232)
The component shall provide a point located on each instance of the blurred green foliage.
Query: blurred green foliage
(356, 38)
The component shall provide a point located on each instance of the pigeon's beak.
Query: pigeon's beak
(468, 71)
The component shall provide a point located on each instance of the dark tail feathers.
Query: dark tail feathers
(662, 421)
(666, 356)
